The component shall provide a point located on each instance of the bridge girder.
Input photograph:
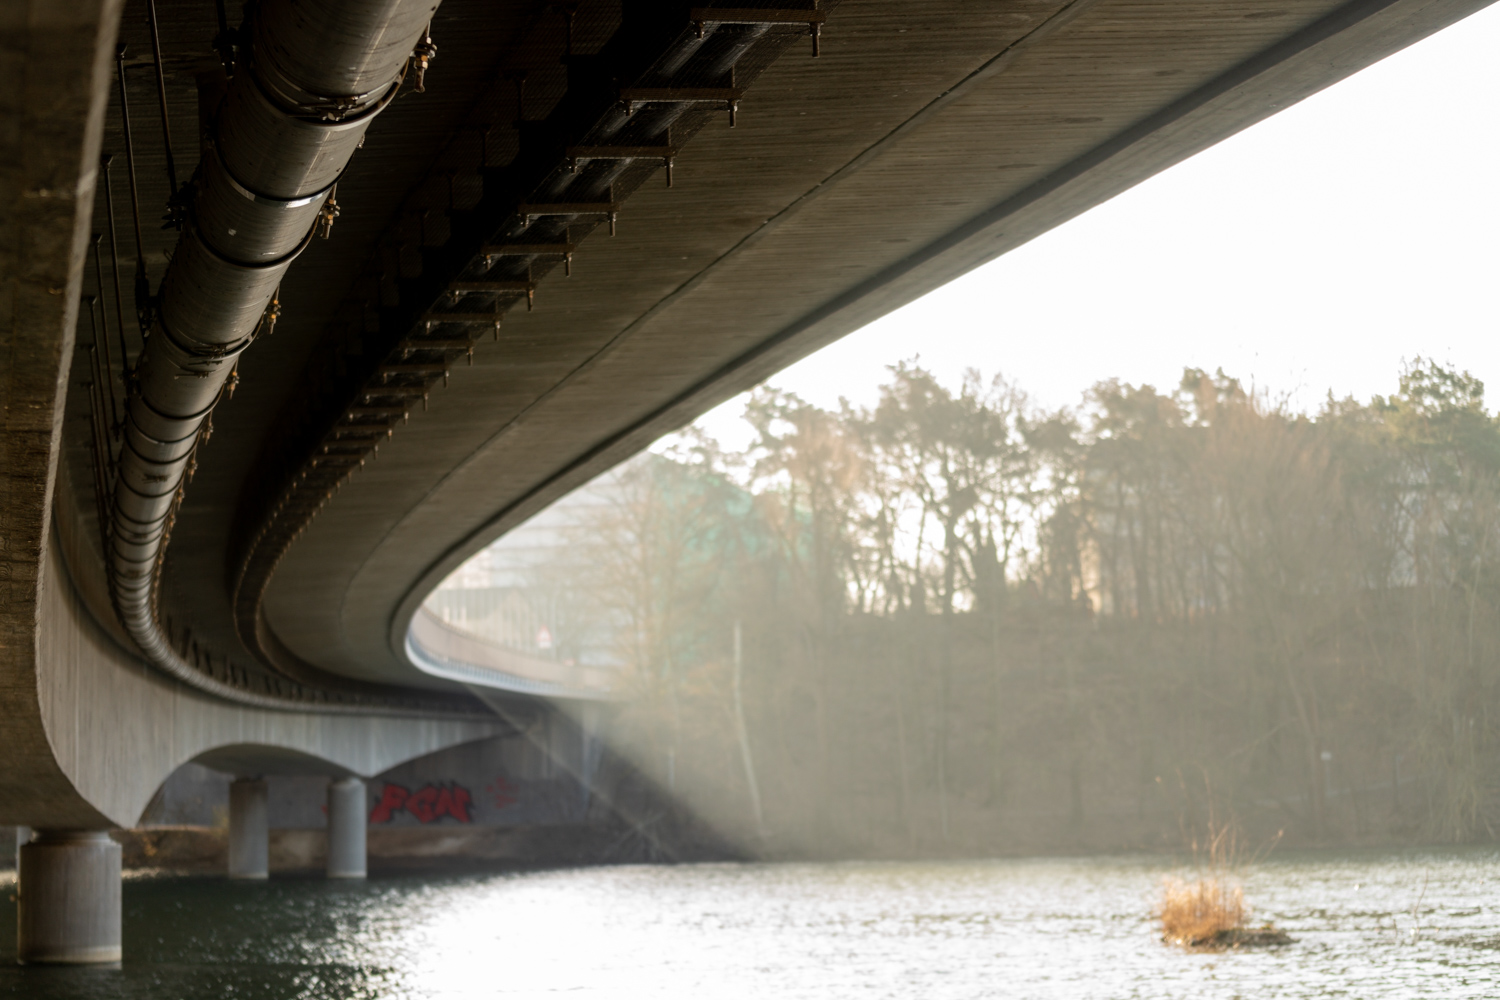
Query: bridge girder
(927, 139)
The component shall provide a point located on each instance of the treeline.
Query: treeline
(956, 623)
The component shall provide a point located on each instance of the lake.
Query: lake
(1379, 924)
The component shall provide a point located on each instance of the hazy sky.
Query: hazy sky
(1311, 252)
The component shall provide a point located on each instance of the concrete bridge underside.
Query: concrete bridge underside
(928, 138)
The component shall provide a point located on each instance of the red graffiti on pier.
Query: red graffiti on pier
(428, 804)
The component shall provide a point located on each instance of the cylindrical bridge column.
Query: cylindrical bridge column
(249, 833)
(346, 828)
(68, 904)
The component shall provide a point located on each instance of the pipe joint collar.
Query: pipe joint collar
(193, 353)
(335, 109)
(255, 197)
(283, 261)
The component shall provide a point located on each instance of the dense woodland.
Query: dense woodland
(958, 624)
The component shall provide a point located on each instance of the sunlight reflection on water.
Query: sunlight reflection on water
(1367, 925)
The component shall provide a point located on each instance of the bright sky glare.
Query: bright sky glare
(1314, 251)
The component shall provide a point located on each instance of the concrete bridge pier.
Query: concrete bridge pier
(68, 899)
(249, 830)
(346, 828)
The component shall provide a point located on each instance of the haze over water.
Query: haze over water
(1392, 924)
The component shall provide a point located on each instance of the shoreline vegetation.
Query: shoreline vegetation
(972, 627)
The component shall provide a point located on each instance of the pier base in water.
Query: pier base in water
(249, 829)
(346, 828)
(68, 903)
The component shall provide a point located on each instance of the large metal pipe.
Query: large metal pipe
(313, 75)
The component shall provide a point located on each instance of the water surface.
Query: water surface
(1410, 924)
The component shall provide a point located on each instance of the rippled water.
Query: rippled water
(1412, 924)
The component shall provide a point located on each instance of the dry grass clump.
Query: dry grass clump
(1201, 912)
(1209, 911)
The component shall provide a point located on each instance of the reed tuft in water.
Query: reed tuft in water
(1209, 911)
(1199, 912)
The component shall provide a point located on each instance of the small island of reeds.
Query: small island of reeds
(1208, 912)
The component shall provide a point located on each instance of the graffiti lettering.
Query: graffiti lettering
(421, 804)
(392, 798)
(427, 804)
